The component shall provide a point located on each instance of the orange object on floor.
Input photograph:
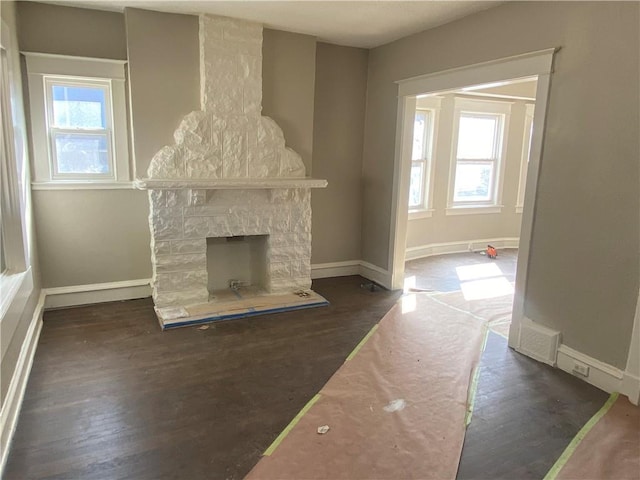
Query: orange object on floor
(491, 252)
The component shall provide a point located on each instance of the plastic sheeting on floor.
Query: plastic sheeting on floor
(395, 409)
(607, 447)
(496, 310)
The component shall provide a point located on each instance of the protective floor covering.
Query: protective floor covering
(609, 450)
(395, 409)
(496, 311)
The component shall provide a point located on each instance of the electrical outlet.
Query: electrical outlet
(581, 368)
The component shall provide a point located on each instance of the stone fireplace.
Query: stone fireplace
(229, 179)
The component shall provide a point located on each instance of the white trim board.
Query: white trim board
(13, 401)
(335, 269)
(462, 246)
(376, 274)
(352, 267)
(601, 375)
(97, 293)
(521, 66)
(630, 386)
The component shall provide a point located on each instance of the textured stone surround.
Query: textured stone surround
(181, 221)
(196, 185)
(228, 138)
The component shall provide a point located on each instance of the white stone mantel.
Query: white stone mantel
(230, 183)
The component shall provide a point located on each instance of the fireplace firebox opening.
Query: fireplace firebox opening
(238, 262)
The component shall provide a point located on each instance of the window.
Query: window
(4, 148)
(78, 118)
(16, 279)
(12, 258)
(526, 152)
(420, 157)
(479, 137)
(79, 125)
(422, 148)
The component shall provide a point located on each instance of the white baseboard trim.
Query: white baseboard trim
(15, 394)
(423, 251)
(376, 274)
(601, 375)
(631, 387)
(97, 293)
(352, 267)
(335, 269)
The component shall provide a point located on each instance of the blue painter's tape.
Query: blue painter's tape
(248, 313)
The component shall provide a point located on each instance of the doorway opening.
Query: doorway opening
(469, 157)
(467, 180)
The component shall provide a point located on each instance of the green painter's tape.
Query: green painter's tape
(362, 342)
(566, 455)
(485, 331)
(472, 396)
(306, 408)
(285, 432)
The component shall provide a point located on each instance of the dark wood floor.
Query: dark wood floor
(525, 414)
(439, 272)
(112, 397)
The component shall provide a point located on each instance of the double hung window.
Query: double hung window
(78, 119)
(477, 161)
(420, 158)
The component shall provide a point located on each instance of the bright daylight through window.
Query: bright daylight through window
(477, 158)
(420, 158)
(79, 119)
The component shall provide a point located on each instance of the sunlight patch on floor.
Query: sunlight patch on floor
(475, 272)
(486, 288)
(408, 303)
(409, 283)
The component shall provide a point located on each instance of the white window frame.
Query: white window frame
(425, 209)
(501, 109)
(526, 151)
(105, 85)
(45, 70)
(16, 280)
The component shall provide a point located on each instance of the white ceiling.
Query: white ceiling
(364, 24)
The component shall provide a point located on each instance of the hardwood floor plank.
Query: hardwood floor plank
(110, 396)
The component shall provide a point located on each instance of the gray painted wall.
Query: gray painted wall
(583, 272)
(338, 129)
(92, 236)
(73, 31)
(288, 78)
(164, 78)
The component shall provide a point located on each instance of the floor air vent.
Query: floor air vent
(538, 342)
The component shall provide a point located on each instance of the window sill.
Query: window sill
(474, 210)
(519, 208)
(417, 214)
(59, 185)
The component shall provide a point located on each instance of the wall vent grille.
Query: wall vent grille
(538, 342)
